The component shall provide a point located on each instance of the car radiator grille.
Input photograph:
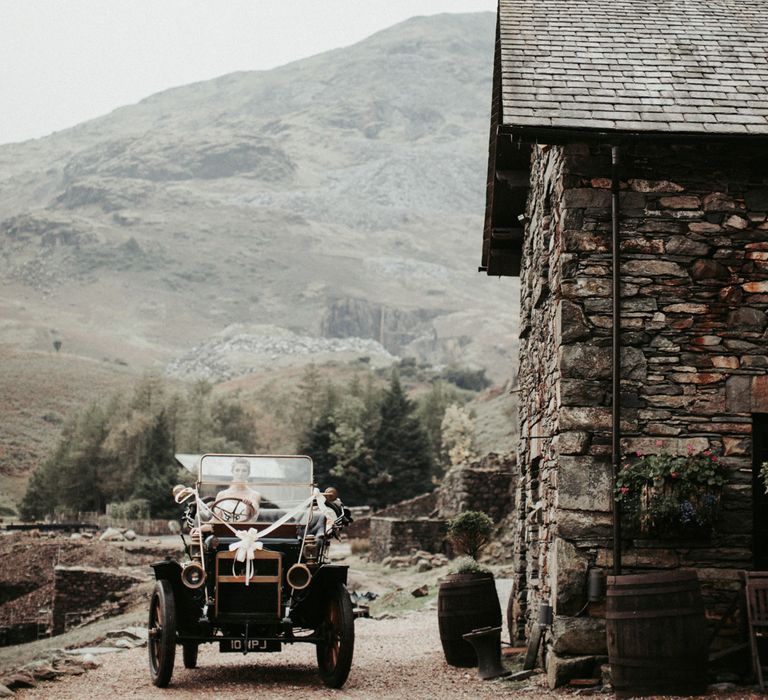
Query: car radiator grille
(260, 598)
(254, 599)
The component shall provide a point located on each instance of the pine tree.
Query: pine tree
(41, 496)
(234, 424)
(316, 444)
(83, 481)
(156, 473)
(309, 404)
(149, 393)
(401, 450)
(196, 429)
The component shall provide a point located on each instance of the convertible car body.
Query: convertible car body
(257, 574)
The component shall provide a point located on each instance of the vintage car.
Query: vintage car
(257, 574)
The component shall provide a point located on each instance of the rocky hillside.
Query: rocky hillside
(337, 196)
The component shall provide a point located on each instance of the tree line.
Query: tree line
(366, 437)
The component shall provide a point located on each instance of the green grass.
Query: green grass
(398, 602)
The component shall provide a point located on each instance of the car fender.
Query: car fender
(188, 602)
(328, 575)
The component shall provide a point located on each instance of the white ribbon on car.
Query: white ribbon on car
(326, 510)
(245, 550)
(249, 539)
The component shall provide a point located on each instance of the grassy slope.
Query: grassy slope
(39, 391)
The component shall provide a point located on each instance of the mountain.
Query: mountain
(340, 196)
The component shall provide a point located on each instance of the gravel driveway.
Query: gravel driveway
(394, 659)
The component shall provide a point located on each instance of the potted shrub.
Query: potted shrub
(665, 495)
(466, 598)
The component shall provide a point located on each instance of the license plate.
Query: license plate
(250, 645)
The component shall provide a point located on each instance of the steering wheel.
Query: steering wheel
(231, 509)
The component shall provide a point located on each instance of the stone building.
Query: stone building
(646, 121)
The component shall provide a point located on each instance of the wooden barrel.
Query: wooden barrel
(465, 602)
(656, 634)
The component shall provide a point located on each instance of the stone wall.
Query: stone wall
(395, 537)
(694, 247)
(533, 520)
(84, 593)
(414, 508)
(23, 632)
(483, 485)
(360, 527)
(417, 507)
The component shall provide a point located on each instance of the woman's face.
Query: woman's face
(240, 473)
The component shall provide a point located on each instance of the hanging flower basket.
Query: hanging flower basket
(665, 495)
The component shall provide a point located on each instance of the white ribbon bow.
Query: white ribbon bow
(246, 548)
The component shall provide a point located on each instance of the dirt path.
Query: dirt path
(398, 658)
(394, 659)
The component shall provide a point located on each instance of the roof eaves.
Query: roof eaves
(558, 134)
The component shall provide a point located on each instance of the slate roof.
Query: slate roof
(673, 66)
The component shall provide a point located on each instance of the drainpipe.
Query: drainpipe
(616, 358)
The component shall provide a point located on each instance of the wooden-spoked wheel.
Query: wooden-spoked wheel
(231, 509)
(189, 654)
(334, 655)
(161, 634)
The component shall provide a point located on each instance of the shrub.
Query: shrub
(470, 531)
(135, 509)
(465, 378)
(468, 565)
(360, 546)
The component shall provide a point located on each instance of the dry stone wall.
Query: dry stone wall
(396, 537)
(694, 247)
(417, 507)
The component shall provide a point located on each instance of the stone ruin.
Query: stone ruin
(420, 524)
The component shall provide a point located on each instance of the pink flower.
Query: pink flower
(713, 458)
(674, 475)
(624, 489)
(659, 443)
(689, 448)
(638, 453)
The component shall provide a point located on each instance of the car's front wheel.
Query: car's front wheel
(161, 634)
(334, 654)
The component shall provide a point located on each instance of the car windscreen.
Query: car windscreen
(281, 481)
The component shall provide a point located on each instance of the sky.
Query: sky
(63, 62)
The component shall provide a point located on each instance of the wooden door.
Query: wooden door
(759, 497)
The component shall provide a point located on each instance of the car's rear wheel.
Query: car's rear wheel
(334, 654)
(189, 652)
(161, 634)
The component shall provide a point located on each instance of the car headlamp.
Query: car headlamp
(193, 575)
(299, 576)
